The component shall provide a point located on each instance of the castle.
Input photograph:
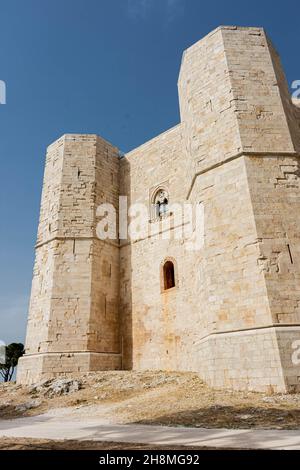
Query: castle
(229, 310)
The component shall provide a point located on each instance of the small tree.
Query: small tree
(12, 354)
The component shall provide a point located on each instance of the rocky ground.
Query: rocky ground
(151, 398)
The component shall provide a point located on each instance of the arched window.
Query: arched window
(160, 203)
(168, 275)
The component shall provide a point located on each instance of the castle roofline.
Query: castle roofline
(81, 137)
(255, 29)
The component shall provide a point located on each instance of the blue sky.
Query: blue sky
(95, 66)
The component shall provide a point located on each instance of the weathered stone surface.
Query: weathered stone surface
(234, 313)
(62, 387)
(29, 405)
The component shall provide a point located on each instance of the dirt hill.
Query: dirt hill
(150, 398)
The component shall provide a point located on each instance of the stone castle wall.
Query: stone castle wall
(234, 312)
(73, 323)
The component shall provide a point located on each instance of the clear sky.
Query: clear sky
(108, 67)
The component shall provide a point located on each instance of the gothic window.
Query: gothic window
(160, 203)
(168, 275)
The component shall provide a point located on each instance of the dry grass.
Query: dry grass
(44, 444)
(159, 398)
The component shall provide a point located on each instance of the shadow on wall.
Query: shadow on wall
(125, 303)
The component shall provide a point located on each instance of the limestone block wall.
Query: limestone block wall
(154, 323)
(74, 301)
(258, 87)
(274, 184)
(291, 110)
(234, 313)
(252, 277)
(104, 334)
(243, 360)
(275, 193)
(70, 298)
(232, 286)
(296, 114)
(207, 103)
(248, 280)
(234, 97)
(216, 320)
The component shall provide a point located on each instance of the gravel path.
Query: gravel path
(53, 427)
